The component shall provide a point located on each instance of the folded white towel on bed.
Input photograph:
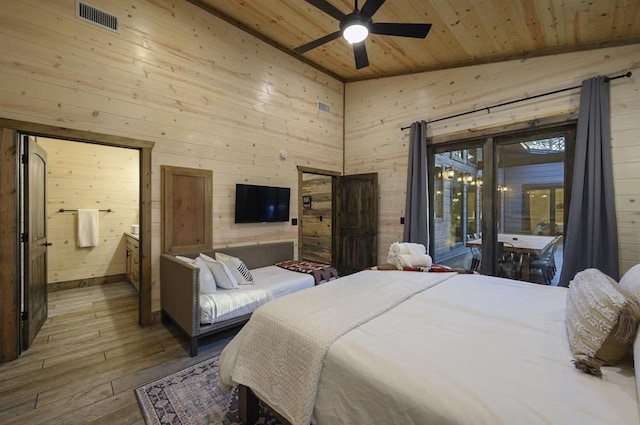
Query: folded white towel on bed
(408, 254)
(414, 260)
(398, 248)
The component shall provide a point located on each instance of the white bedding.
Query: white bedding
(270, 282)
(280, 352)
(469, 350)
(472, 350)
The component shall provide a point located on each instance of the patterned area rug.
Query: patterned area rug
(192, 396)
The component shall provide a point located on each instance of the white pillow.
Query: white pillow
(222, 274)
(237, 267)
(631, 282)
(207, 280)
(186, 259)
(636, 361)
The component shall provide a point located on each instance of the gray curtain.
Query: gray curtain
(416, 219)
(591, 230)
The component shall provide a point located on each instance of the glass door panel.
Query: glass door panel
(539, 211)
(457, 206)
(530, 197)
(558, 211)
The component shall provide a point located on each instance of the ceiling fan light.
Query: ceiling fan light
(355, 33)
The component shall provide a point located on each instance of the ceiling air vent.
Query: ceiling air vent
(324, 107)
(96, 16)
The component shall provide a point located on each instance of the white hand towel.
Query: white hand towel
(412, 253)
(396, 249)
(414, 248)
(414, 260)
(87, 228)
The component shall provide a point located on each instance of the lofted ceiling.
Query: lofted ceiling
(463, 32)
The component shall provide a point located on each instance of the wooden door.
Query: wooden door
(357, 222)
(35, 240)
(186, 211)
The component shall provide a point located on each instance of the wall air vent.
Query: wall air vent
(324, 107)
(96, 16)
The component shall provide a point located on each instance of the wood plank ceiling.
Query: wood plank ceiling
(464, 32)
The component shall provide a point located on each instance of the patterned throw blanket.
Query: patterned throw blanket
(279, 354)
(434, 268)
(321, 272)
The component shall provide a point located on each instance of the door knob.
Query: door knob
(47, 244)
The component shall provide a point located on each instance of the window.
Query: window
(544, 146)
(439, 195)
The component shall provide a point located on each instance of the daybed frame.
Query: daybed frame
(180, 287)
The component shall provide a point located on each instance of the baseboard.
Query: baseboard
(82, 283)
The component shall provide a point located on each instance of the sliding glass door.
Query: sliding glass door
(499, 203)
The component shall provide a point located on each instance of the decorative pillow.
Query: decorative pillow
(631, 282)
(237, 267)
(185, 259)
(601, 320)
(222, 274)
(206, 278)
(636, 361)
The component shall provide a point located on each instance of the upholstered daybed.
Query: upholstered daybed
(199, 315)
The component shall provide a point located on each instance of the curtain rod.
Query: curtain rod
(488, 108)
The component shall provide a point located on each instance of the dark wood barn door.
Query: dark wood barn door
(357, 218)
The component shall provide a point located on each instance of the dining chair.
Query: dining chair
(546, 262)
(476, 259)
(509, 264)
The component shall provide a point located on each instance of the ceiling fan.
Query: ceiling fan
(356, 26)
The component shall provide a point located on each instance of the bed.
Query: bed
(423, 348)
(199, 315)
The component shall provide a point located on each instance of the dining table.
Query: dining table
(525, 245)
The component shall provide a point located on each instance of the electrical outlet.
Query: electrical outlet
(294, 221)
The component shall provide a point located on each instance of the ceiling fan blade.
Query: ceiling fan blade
(319, 42)
(360, 53)
(370, 7)
(328, 8)
(402, 30)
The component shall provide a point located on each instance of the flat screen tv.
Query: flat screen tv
(261, 204)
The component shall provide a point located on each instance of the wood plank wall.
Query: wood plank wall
(209, 95)
(376, 109)
(83, 175)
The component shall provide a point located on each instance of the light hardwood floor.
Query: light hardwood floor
(89, 357)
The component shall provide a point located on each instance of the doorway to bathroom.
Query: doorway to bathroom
(15, 208)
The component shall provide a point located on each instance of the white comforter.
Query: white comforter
(292, 335)
(270, 282)
(472, 350)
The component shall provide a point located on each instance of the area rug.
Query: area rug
(192, 397)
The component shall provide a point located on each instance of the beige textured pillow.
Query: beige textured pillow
(601, 318)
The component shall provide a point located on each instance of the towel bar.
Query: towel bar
(63, 210)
